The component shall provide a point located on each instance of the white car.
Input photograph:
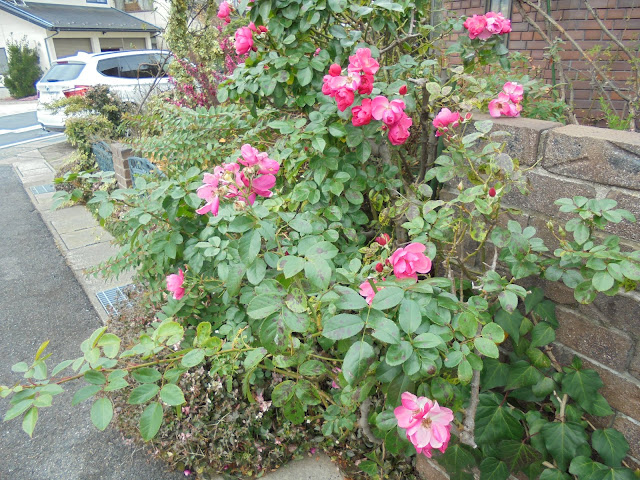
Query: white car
(129, 74)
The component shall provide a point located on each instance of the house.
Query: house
(60, 28)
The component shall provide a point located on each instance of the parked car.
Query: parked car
(129, 74)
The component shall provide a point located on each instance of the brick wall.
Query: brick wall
(579, 160)
(622, 17)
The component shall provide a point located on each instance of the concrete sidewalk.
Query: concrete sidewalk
(81, 244)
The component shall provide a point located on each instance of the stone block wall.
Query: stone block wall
(565, 161)
(622, 17)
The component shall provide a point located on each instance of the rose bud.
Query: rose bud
(379, 267)
(403, 90)
(492, 192)
(335, 70)
(383, 240)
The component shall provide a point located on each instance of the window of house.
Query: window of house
(502, 6)
(134, 5)
(4, 63)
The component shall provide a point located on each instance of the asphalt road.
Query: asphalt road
(21, 128)
(42, 300)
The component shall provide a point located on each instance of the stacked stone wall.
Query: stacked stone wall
(565, 161)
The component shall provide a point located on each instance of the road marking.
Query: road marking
(21, 130)
(31, 140)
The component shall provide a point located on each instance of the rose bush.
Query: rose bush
(313, 244)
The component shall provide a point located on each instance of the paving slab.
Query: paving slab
(86, 236)
(70, 219)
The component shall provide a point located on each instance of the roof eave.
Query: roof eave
(90, 29)
(26, 16)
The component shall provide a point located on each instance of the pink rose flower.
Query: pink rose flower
(362, 113)
(249, 155)
(363, 62)
(366, 84)
(174, 284)
(262, 186)
(428, 425)
(514, 90)
(335, 70)
(224, 10)
(387, 111)
(503, 106)
(244, 40)
(344, 98)
(399, 131)
(497, 24)
(409, 261)
(444, 119)
(367, 291)
(475, 25)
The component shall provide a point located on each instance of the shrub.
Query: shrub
(24, 69)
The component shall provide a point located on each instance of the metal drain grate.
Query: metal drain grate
(38, 189)
(114, 298)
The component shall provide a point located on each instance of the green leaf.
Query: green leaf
(494, 420)
(410, 317)
(517, 454)
(102, 413)
(542, 334)
(554, 474)
(193, 358)
(486, 347)
(337, 6)
(586, 469)
(249, 247)
(342, 326)
(29, 421)
(582, 386)
(508, 300)
(143, 393)
(150, 421)
(254, 357)
(493, 332)
(465, 372)
(386, 330)
(312, 368)
(349, 299)
(20, 367)
(386, 420)
(427, 340)
(630, 270)
(95, 377)
(172, 395)
(493, 469)
(581, 233)
(562, 441)
(84, 393)
(294, 411)
(494, 374)
(611, 445)
(357, 361)
(602, 281)
(146, 375)
(282, 393)
(291, 265)
(457, 457)
(263, 305)
(387, 298)
(584, 292)
(399, 353)
(523, 374)
(400, 384)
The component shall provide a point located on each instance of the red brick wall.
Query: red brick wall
(622, 17)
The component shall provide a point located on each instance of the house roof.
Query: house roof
(75, 18)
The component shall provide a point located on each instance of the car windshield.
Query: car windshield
(60, 72)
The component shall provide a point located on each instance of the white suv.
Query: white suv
(129, 74)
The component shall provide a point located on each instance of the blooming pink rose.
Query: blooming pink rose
(409, 261)
(362, 113)
(367, 291)
(410, 412)
(444, 119)
(399, 131)
(366, 84)
(503, 106)
(433, 430)
(224, 10)
(213, 206)
(326, 86)
(174, 284)
(249, 155)
(514, 90)
(262, 186)
(497, 24)
(363, 62)
(267, 165)
(335, 70)
(475, 25)
(387, 111)
(244, 40)
(344, 98)
(350, 82)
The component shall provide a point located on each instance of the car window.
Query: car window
(146, 65)
(109, 67)
(61, 72)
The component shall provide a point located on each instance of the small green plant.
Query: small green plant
(614, 121)
(24, 69)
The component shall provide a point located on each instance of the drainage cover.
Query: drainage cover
(37, 190)
(114, 298)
